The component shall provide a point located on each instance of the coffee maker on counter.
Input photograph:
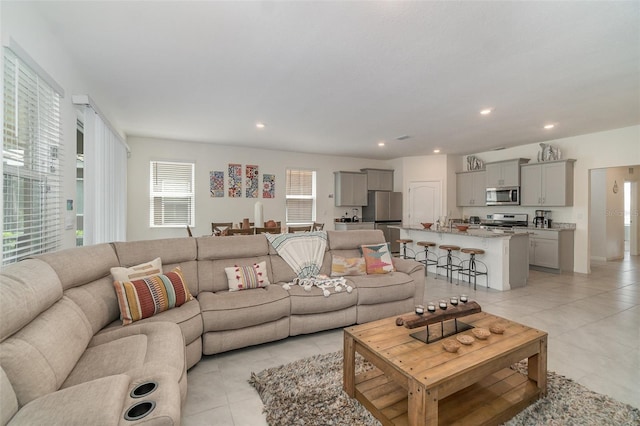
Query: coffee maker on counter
(542, 219)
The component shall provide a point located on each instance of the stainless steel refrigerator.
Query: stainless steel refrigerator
(384, 208)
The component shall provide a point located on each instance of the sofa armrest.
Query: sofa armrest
(408, 266)
(102, 401)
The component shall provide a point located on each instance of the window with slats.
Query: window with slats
(172, 198)
(31, 163)
(300, 197)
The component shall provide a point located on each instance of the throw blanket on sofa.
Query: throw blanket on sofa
(304, 253)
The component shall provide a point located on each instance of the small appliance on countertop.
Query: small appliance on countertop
(542, 219)
(474, 220)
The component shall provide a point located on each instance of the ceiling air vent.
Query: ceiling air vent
(403, 137)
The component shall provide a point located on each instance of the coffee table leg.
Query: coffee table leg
(423, 405)
(537, 367)
(349, 366)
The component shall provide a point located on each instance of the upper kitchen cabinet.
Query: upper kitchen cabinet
(379, 179)
(350, 189)
(504, 173)
(547, 184)
(470, 188)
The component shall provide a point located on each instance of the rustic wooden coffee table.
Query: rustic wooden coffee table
(416, 383)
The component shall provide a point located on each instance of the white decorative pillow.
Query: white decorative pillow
(344, 266)
(246, 277)
(138, 272)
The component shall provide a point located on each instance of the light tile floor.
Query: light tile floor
(593, 323)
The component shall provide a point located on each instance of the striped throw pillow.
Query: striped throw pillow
(146, 297)
(246, 277)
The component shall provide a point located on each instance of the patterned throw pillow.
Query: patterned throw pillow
(246, 277)
(344, 266)
(138, 272)
(378, 258)
(146, 297)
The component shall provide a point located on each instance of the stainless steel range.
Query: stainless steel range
(505, 220)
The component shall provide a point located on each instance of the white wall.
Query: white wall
(22, 22)
(209, 157)
(598, 222)
(612, 148)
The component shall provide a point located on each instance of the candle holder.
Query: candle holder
(442, 304)
(464, 298)
(419, 309)
(454, 301)
(431, 307)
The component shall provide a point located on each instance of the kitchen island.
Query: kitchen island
(506, 253)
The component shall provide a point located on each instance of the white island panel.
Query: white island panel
(506, 254)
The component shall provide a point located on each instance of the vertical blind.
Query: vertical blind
(172, 199)
(300, 196)
(31, 163)
(105, 182)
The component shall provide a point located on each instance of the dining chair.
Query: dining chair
(306, 228)
(317, 226)
(189, 231)
(218, 228)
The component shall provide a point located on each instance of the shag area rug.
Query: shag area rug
(309, 392)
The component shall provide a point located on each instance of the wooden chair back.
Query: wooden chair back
(306, 228)
(218, 228)
(317, 226)
(269, 230)
(189, 231)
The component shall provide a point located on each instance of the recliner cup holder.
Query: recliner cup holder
(143, 389)
(139, 410)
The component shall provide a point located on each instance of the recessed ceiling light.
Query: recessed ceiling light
(549, 126)
(486, 111)
(261, 125)
(435, 151)
(380, 143)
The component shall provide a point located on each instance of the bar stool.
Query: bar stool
(469, 267)
(449, 264)
(426, 260)
(404, 242)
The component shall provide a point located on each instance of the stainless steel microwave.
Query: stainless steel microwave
(503, 196)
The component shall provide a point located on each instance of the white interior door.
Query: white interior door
(425, 202)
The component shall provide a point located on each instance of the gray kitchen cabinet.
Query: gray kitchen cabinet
(471, 188)
(548, 184)
(551, 250)
(350, 189)
(504, 173)
(379, 179)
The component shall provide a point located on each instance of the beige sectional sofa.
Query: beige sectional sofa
(66, 358)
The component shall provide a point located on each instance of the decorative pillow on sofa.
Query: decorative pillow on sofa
(246, 277)
(344, 266)
(146, 297)
(378, 258)
(138, 272)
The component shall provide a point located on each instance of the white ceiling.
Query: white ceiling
(339, 77)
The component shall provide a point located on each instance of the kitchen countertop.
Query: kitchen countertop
(471, 232)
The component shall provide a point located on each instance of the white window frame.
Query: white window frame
(32, 152)
(168, 192)
(312, 197)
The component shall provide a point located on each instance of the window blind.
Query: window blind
(31, 163)
(172, 200)
(300, 196)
